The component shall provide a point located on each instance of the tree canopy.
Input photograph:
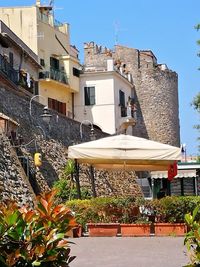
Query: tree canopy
(196, 99)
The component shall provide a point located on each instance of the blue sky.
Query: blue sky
(165, 27)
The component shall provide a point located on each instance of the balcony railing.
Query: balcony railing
(49, 20)
(57, 23)
(8, 70)
(44, 18)
(53, 74)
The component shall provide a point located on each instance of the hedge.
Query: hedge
(131, 210)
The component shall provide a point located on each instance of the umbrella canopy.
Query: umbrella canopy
(125, 152)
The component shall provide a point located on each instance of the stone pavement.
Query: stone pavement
(128, 252)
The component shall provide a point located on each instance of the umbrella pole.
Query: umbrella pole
(78, 187)
(94, 194)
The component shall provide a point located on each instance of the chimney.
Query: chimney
(38, 3)
(110, 65)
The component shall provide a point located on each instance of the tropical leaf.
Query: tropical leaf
(36, 263)
(35, 237)
(55, 238)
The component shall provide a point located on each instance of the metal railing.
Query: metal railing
(44, 18)
(8, 70)
(57, 23)
(49, 20)
(54, 74)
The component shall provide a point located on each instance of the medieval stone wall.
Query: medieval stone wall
(158, 98)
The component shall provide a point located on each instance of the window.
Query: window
(122, 103)
(89, 96)
(76, 72)
(57, 105)
(54, 63)
(42, 63)
(121, 98)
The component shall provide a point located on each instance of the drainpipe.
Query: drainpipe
(73, 106)
(152, 187)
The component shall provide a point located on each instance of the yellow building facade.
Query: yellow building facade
(50, 40)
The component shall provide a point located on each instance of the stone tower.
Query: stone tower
(156, 90)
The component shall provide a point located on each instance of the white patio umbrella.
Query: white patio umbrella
(125, 152)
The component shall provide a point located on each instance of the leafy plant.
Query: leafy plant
(192, 238)
(172, 209)
(105, 210)
(66, 187)
(66, 190)
(35, 237)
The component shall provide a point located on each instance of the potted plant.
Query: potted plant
(103, 229)
(35, 237)
(168, 215)
(167, 229)
(140, 227)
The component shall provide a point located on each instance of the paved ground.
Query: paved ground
(128, 252)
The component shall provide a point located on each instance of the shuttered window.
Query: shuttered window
(89, 96)
(122, 103)
(121, 98)
(76, 72)
(57, 105)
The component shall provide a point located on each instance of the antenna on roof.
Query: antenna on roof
(38, 3)
(117, 30)
(51, 3)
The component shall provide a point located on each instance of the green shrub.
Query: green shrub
(192, 237)
(172, 209)
(127, 209)
(66, 190)
(66, 186)
(105, 209)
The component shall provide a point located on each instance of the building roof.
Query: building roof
(3, 116)
(10, 37)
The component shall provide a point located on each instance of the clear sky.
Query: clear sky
(165, 27)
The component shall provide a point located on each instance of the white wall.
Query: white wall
(121, 84)
(102, 113)
(22, 21)
(106, 111)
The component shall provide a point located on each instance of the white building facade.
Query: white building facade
(104, 100)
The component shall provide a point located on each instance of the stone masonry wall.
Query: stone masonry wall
(13, 181)
(61, 133)
(158, 97)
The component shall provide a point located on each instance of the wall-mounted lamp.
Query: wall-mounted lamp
(46, 116)
(92, 135)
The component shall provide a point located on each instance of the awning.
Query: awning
(181, 174)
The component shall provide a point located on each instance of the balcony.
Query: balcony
(55, 75)
(8, 70)
(27, 82)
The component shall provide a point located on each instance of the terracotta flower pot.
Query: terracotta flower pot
(166, 229)
(140, 229)
(103, 229)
